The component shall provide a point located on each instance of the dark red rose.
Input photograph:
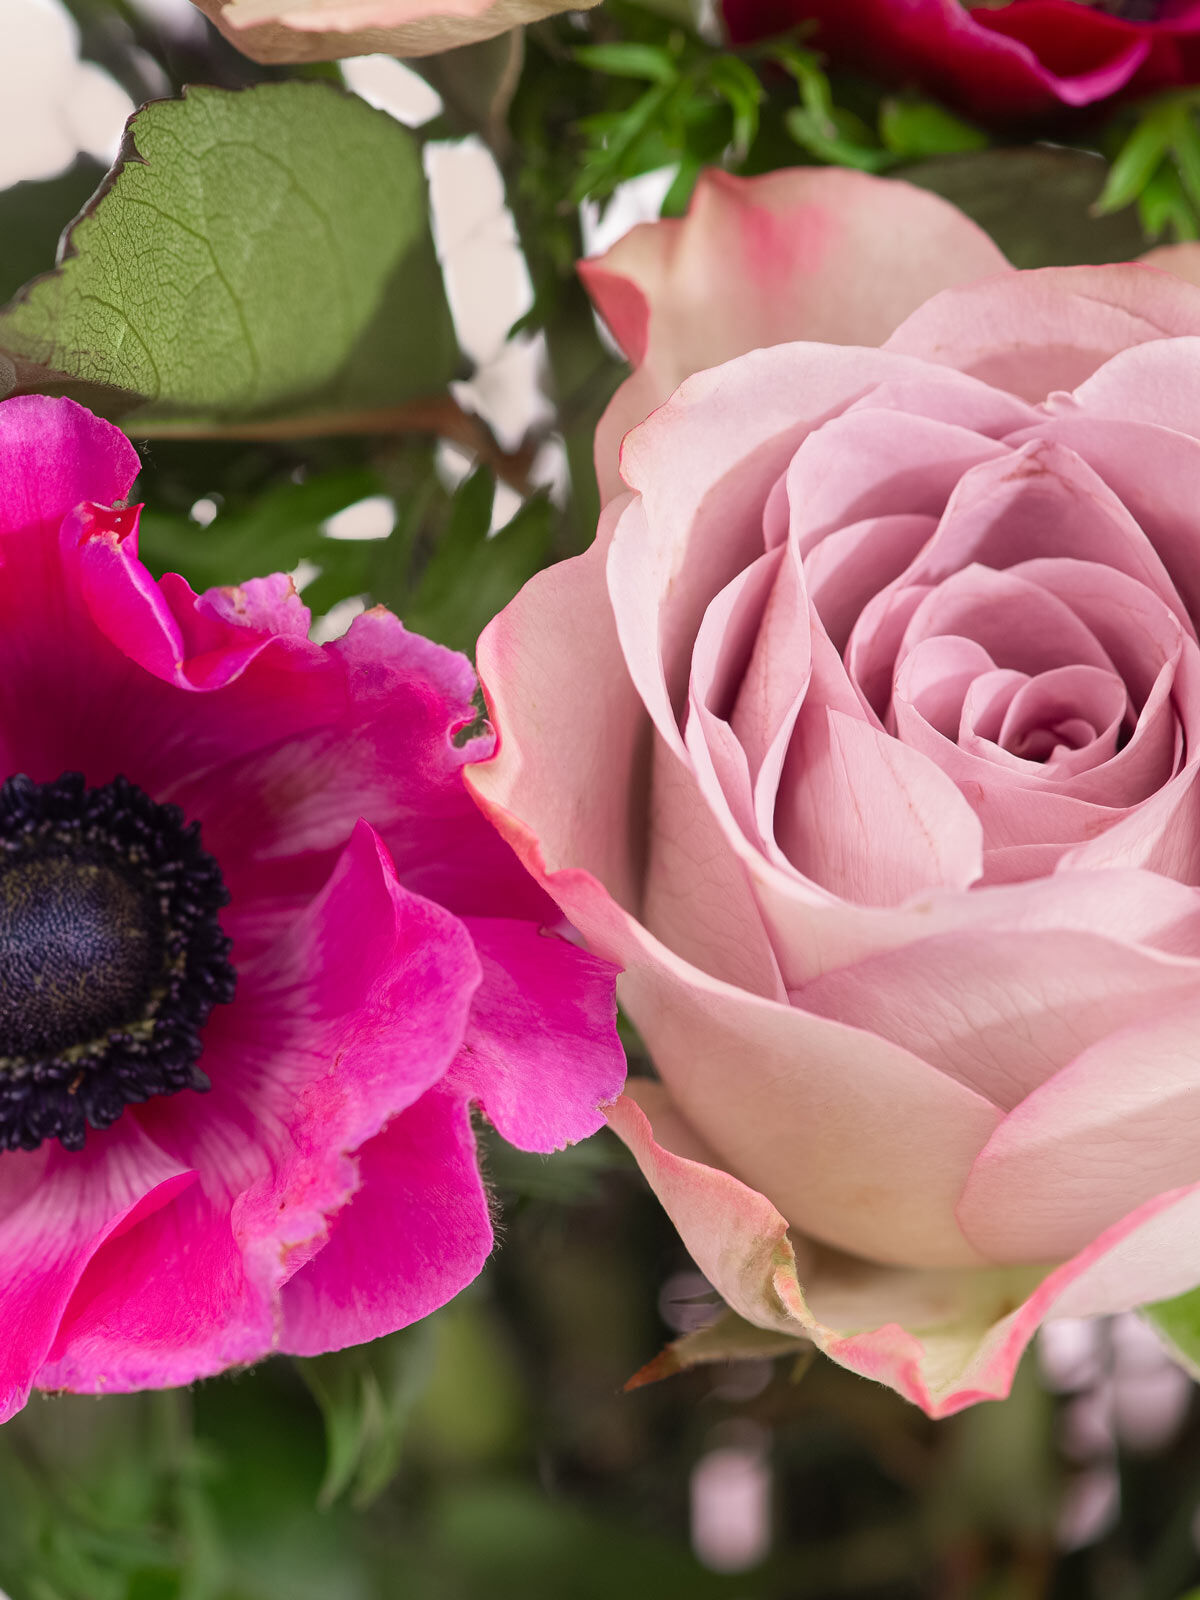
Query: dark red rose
(997, 62)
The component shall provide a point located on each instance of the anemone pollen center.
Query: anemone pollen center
(112, 955)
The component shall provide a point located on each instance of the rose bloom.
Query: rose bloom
(259, 957)
(1001, 61)
(325, 30)
(866, 738)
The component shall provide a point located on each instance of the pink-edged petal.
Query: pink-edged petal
(59, 1211)
(1003, 1011)
(806, 253)
(552, 649)
(1108, 1132)
(541, 1054)
(274, 31)
(347, 1021)
(1180, 260)
(416, 1232)
(1035, 332)
(944, 1339)
(740, 1067)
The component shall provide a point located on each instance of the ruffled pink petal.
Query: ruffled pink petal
(541, 1054)
(415, 1233)
(944, 1339)
(342, 1025)
(1034, 332)
(1109, 1131)
(60, 1209)
(54, 456)
(833, 256)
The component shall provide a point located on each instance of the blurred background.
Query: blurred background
(493, 1453)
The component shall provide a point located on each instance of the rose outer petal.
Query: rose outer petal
(834, 256)
(974, 1325)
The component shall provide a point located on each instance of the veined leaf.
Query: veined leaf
(255, 254)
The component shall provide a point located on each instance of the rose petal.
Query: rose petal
(807, 253)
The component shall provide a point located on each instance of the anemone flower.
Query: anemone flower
(260, 956)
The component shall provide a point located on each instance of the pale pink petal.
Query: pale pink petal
(1003, 1011)
(1107, 1133)
(870, 819)
(814, 254)
(1040, 500)
(1034, 332)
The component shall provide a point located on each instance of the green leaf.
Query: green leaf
(365, 1395)
(629, 60)
(283, 527)
(258, 254)
(1162, 204)
(1036, 203)
(470, 577)
(1178, 1321)
(917, 129)
(1136, 162)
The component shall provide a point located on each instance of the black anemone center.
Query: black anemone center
(111, 955)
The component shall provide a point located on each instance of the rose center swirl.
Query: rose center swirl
(112, 955)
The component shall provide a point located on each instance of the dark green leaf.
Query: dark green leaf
(258, 254)
(470, 577)
(1036, 203)
(284, 527)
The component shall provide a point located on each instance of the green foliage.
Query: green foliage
(253, 255)
(365, 1395)
(1156, 166)
(1178, 1321)
(1036, 203)
(470, 577)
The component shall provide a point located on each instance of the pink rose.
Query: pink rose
(866, 739)
(259, 957)
(998, 62)
(324, 30)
